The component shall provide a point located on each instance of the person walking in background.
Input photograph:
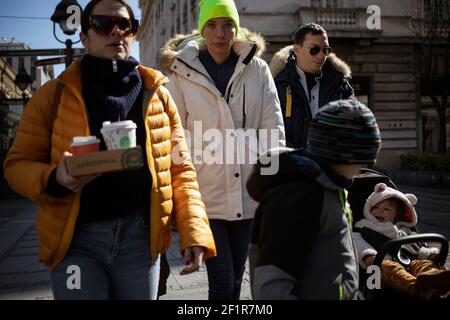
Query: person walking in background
(301, 245)
(221, 86)
(308, 75)
(112, 226)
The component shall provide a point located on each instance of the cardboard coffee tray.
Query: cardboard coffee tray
(105, 161)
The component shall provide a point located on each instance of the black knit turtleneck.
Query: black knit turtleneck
(109, 95)
(114, 96)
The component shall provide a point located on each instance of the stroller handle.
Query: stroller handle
(395, 244)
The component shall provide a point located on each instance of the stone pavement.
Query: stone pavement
(193, 286)
(23, 277)
(433, 209)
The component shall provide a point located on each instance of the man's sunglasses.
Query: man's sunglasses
(315, 50)
(105, 24)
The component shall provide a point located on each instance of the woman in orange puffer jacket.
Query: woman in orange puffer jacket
(113, 226)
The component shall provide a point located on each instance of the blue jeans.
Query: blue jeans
(108, 260)
(225, 271)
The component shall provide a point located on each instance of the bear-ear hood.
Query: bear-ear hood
(175, 45)
(383, 192)
(280, 58)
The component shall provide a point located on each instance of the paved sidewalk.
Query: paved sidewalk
(433, 209)
(193, 286)
(23, 277)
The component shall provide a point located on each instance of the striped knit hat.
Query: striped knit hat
(344, 131)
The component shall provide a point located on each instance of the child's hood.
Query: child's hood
(383, 192)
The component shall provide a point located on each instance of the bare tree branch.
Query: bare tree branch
(430, 22)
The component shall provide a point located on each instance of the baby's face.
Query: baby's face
(384, 211)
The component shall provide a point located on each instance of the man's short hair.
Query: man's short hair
(313, 28)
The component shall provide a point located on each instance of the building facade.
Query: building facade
(382, 53)
(39, 75)
(161, 19)
(12, 98)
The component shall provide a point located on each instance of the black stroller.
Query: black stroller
(361, 189)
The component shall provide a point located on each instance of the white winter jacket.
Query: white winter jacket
(216, 125)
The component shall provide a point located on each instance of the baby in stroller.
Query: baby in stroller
(389, 214)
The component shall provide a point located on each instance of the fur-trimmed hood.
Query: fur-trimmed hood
(279, 61)
(175, 45)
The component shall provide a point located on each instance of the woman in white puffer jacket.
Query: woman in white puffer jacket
(229, 107)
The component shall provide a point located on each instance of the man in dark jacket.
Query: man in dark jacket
(308, 76)
(301, 246)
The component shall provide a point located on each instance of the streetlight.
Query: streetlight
(23, 81)
(60, 16)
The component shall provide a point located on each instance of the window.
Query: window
(326, 4)
(430, 119)
(194, 10)
(33, 69)
(361, 85)
(172, 18)
(185, 16)
(437, 9)
(178, 24)
(332, 3)
(315, 3)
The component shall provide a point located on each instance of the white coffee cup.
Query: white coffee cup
(119, 135)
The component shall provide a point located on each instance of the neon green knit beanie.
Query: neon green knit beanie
(211, 9)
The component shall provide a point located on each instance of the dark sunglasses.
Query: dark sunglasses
(315, 50)
(105, 24)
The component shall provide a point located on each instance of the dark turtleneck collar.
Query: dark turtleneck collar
(220, 74)
(113, 81)
(109, 95)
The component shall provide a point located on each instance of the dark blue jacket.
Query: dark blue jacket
(296, 109)
(301, 246)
